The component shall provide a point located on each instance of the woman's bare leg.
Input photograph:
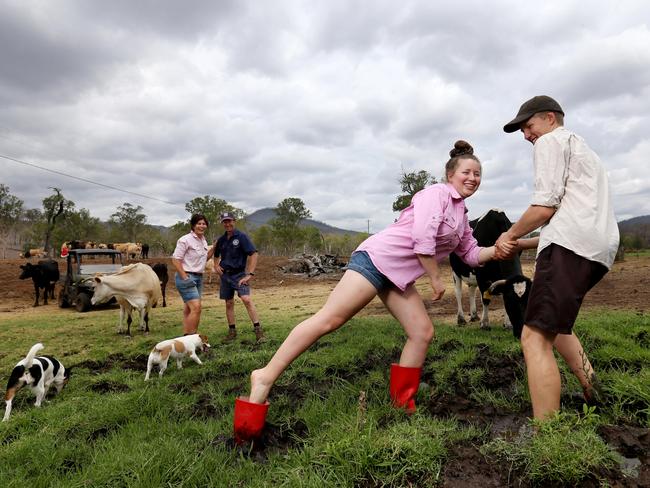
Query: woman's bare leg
(407, 307)
(191, 316)
(349, 296)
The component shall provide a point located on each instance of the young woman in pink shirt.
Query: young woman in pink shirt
(387, 265)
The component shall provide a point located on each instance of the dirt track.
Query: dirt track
(627, 286)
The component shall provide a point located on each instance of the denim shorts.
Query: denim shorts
(230, 285)
(361, 263)
(191, 288)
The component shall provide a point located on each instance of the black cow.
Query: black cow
(145, 251)
(45, 274)
(495, 277)
(161, 271)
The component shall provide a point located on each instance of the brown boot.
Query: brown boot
(232, 335)
(259, 335)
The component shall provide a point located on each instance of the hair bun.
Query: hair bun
(460, 148)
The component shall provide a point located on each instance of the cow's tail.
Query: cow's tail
(29, 359)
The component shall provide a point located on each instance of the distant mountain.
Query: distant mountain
(630, 224)
(263, 216)
(635, 232)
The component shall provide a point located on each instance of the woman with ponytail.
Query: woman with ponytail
(387, 264)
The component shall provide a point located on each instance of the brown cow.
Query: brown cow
(39, 252)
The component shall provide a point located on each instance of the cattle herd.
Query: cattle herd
(131, 250)
(136, 287)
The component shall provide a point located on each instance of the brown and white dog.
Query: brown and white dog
(179, 348)
(39, 373)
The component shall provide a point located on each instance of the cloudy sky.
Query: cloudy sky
(256, 101)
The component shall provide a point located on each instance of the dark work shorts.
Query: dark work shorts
(561, 281)
(230, 285)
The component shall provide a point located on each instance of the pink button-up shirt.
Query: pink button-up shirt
(192, 251)
(435, 224)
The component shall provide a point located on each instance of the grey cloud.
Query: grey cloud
(602, 69)
(322, 131)
(378, 114)
(254, 102)
(351, 25)
(40, 58)
(185, 21)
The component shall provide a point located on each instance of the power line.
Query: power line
(85, 180)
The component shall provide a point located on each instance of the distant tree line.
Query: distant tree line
(639, 238)
(60, 220)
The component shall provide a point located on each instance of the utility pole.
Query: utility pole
(368, 226)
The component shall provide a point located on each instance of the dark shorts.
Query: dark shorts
(229, 285)
(191, 288)
(561, 281)
(362, 264)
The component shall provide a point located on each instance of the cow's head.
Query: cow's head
(515, 291)
(28, 270)
(102, 292)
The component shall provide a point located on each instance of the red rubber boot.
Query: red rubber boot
(404, 383)
(249, 419)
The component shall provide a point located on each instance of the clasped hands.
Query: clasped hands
(505, 247)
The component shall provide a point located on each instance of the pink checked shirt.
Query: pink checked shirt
(192, 252)
(435, 224)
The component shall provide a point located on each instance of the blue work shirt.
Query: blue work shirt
(234, 251)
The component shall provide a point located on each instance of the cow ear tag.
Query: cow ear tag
(487, 295)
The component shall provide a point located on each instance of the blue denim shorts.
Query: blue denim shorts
(361, 263)
(229, 285)
(191, 288)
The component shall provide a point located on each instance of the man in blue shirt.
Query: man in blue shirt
(236, 259)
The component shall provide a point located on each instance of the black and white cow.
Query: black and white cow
(494, 278)
(45, 274)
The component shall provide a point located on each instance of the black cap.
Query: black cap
(540, 103)
(227, 216)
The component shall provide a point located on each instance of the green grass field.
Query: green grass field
(330, 421)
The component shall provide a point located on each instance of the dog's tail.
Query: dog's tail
(29, 359)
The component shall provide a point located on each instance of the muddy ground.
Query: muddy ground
(626, 287)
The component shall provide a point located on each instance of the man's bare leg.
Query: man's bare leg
(542, 370)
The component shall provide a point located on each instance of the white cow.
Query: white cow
(135, 286)
(209, 270)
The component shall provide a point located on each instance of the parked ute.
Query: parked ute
(77, 285)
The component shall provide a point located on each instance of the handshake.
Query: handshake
(506, 246)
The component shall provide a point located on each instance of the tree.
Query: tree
(314, 240)
(79, 225)
(286, 226)
(53, 206)
(129, 220)
(263, 239)
(11, 208)
(343, 245)
(212, 208)
(411, 183)
(291, 211)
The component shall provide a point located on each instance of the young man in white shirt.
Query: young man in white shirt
(576, 247)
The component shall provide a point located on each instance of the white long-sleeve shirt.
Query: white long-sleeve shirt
(570, 177)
